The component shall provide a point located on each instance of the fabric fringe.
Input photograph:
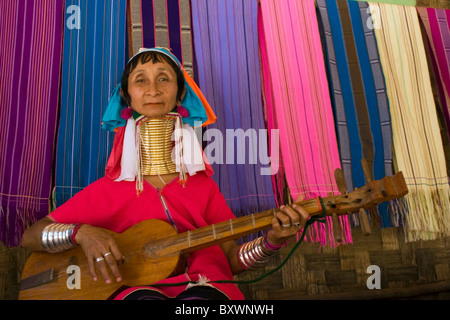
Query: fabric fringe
(15, 219)
(426, 214)
(323, 233)
(202, 281)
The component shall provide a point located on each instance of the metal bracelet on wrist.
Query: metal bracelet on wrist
(254, 253)
(56, 237)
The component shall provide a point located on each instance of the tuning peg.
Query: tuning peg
(337, 230)
(342, 186)
(367, 170)
(340, 180)
(366, 228)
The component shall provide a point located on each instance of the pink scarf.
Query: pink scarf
(293, 64)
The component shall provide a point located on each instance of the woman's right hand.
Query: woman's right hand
(101, 251)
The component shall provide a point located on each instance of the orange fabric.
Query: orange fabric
(209, 112)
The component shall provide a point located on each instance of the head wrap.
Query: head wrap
(198, 111)
(123, 163)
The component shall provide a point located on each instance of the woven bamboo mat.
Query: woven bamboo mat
(407, 270)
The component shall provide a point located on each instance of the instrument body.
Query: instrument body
(140, 266)
(154, 251)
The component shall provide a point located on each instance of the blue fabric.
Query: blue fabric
(347, 95)
(372, 103)
(354, 143)
(94, 57)
(112, 118)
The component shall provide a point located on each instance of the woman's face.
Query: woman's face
(153, 89)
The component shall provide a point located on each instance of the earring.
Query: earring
(183, 111)
(126, 113)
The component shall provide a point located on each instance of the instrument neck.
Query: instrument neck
(197, 239)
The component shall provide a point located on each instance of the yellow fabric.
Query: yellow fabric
(418, 149)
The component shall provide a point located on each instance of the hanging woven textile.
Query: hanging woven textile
(359, 95)
(93, 61)
(162, 23)
(31, 38)
(419, 3)
(278, 176)
(304, 115)
(417, 141)
(226, 45)
(402, 2)
(437, 27)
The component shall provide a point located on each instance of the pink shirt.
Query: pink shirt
(116, 206)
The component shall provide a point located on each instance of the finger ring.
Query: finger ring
(286, 225)
(99, 259)
(107, 254)
(297, 224)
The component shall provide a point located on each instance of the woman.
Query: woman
(155, 99)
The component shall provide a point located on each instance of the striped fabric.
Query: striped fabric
(359, 95)
(443, 4)
(278, 177)
(226, 45)
(163, 23)
(302, 103)
(416, 137)
(437, 26)
(30, 62)
(400, 2)
(93, 61)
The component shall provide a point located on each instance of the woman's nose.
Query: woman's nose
(152, 88)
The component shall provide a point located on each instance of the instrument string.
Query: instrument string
(319, 218)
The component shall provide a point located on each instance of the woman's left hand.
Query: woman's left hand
(287, 222)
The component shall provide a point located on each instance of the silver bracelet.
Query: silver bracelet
(57, 237)
(254, 253)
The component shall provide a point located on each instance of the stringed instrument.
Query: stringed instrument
(153, 249)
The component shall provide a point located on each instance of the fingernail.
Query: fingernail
(108, 281)
(119, 279)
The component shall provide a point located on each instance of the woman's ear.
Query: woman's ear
(182, 95)
(123, 98)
